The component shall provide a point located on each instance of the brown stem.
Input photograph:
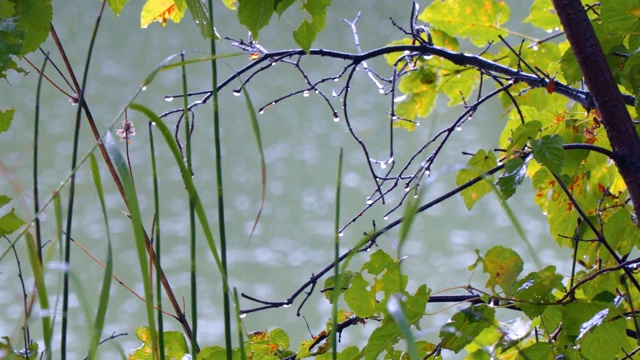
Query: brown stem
(606, 96)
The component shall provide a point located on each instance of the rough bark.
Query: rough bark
(606, 95)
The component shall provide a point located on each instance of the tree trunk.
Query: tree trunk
(606, 96)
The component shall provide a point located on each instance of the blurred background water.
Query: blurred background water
(294, 238)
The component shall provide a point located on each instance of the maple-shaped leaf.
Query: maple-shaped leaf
(162, 11)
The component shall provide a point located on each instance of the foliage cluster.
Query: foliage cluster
(553, 135)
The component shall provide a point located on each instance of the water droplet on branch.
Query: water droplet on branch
(237, 92)
(168, 98)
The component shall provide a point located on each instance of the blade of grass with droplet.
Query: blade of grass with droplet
(103, 302)
(255, 126)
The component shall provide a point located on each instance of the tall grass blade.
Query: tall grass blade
(188, 182)
(41, 289)
(255, 126)
(103, 303)
(192, 216)
(394, 306)
(336, 265)
(138, 230)
(220, 187)
(44, 305)
(74, 160)
(236, 302)
(157, 242)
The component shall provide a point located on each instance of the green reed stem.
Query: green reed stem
(221, 218)
(337, 284)
(103, 304)
(44, 301)
(192, 214)
(74, 160)
(156, 239)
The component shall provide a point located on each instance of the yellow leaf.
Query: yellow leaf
(160, 10)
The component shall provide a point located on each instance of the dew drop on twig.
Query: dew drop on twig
(237, 92)
(305, 93)
(168, 98)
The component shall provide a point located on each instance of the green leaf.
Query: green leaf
(514, 173)
(4, 200)
(200, 14)
(605, 340)
(465, 326)
(480, 163)
(33, 17)
(543, 15)
(537, 288)
(416, 304)
(360, 297)
(10, 222)
(621, 17)
(457, 83)
(575, 314)
(503, 265)
(10, 45)
(621, 232)
(6, 117)
(175, 345)
(549, 152)
(306, 33)
(282, 5)
(381, 338)
(478, 20)
(539, 350)
(255, 14)
(570, 68)
(345, 281)
(378, 262)
(117, 6)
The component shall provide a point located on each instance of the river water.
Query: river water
(301, 141)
